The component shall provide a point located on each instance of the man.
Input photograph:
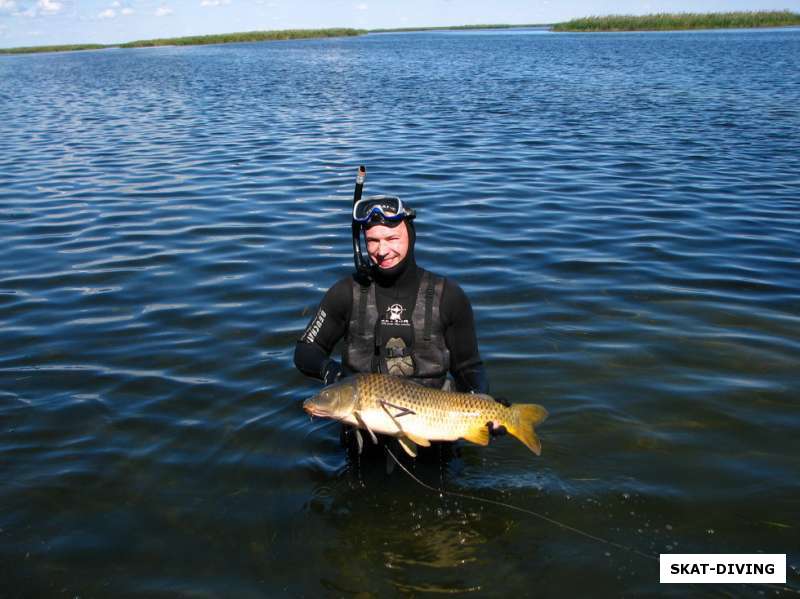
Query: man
(401, 320)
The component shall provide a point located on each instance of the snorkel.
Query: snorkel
(361, 263)
(387, 210)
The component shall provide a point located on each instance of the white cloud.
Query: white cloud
(115, 10)
(214, 2)
(36, 9)
(50, 7)
(362, 6)
(163, 11)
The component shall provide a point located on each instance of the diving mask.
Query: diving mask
(381, 210)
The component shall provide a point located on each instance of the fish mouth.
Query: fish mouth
(313, 409)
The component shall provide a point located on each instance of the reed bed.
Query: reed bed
(247, 36)
(679, 21)
(63, 48)
(195, 40)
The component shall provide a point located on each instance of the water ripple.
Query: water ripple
(621, 209)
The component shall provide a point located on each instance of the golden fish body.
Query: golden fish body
(416, 414)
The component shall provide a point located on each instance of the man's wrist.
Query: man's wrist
(332, 371)
(472, 379)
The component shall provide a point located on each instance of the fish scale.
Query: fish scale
(416, 414)
(431, 404)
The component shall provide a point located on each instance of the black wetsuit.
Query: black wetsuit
(395, 295)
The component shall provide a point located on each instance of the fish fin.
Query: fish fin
(408, 446)
(479, 435)
(363, 425)
(360, 441)
(525, 417)
(417, 439)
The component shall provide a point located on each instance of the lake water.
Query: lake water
(622, 209)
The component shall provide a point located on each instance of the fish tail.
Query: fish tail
(525, 417)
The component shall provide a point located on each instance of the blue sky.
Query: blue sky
(40, 22)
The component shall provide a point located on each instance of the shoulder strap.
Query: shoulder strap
(362, 308)
(429, 292)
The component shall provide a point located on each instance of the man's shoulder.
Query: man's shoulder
(451, 286)
(345, 283)
(339, 295)
(455, 302)
(434, 276)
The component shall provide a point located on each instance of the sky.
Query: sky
(45, 22)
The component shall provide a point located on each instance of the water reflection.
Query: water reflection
(407, 538)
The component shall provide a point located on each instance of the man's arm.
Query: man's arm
(465, 359)
(313, 349)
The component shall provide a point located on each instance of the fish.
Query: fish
(417, 415)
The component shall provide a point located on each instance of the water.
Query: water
(622, 210)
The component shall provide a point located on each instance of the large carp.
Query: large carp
(417, 415)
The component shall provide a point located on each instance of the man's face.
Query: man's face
(387, 246)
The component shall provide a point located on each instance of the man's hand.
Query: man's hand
(496, 431)
(500, 430)
(333, 372)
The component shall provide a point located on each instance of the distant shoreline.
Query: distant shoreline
(461, 28)
(613, 23)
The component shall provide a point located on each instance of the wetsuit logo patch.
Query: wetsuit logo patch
(394, 316)
(395, 312)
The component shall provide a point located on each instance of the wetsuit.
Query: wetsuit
(335, 313)
(398, 294)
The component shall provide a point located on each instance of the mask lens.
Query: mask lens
(379, 209)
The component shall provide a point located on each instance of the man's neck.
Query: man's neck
(406, 281)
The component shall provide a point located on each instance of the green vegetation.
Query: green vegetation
(68, 48)
(452, 28)
(248, 36)
(665, 21)
(224, 38)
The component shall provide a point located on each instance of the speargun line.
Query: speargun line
(524, 511)
(776, 587)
